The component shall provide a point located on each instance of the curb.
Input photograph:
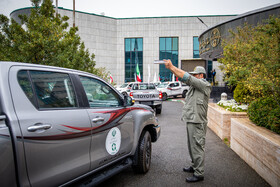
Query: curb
(176, 100)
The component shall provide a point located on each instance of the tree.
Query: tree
(44, 38)
(252, 60)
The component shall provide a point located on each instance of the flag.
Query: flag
(149, 73)
(111, 79)
(155, 77)
(138, 76)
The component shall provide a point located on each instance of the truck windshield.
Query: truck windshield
(124, 85)
(144, 86)
(163, 85)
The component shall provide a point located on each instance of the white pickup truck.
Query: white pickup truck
(147, 94)
(172, 89)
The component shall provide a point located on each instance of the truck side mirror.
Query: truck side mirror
(128, 101)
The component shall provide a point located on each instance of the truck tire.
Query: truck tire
(164, 96)
(184, 93)
(158, 109)
(143, 153)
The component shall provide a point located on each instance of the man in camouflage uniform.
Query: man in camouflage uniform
(195, 115)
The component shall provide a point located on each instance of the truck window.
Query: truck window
(25, 85)
(51, 89)
(176, 84)
(99, 94)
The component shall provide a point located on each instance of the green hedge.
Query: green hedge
(265, 112)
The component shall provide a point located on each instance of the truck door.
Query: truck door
(55, 131)
(112, 124)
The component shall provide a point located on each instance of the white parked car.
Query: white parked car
(173, 89)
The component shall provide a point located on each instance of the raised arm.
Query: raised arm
(176, 71)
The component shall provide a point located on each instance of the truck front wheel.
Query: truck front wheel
(164, 96)
(143, 153)
(184, 93)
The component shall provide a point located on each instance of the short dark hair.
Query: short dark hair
(204, 75)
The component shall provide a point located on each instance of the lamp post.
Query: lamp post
(56, 7)
(73, 13)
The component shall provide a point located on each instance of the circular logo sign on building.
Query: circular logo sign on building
(113, 141)
(215, 37)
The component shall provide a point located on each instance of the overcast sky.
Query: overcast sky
(150, 8)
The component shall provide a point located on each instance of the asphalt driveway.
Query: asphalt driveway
(223, 167)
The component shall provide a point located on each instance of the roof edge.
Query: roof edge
(271, 7)
(131, 17)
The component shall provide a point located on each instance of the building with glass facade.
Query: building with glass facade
(122, 45)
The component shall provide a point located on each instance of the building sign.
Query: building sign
(215, 37)
(209, 42)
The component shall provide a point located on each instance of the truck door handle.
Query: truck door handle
(36, 127)
(97, 119)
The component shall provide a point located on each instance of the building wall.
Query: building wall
(104, 36)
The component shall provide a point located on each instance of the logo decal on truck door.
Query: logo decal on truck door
(113, 141)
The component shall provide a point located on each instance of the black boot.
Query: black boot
(188, 169)
(194, 178)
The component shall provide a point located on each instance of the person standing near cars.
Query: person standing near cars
(195, 115)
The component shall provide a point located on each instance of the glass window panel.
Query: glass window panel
(169, 52)
(195, 54)
(132, 44)
(140, 44)
(132, 57)
(162, 44)
(99, 94)
(175, 44)
(195, 47)
(53, 90)
(168, 44)
(195, 43)
(127, 45)
(25, 85)
(209, 69)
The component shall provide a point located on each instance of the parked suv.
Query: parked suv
(59, 125)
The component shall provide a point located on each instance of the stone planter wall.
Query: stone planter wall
(257, 146)
(219, 120)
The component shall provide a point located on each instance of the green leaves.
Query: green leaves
(252, 60)
(265, 112)
(44, 38)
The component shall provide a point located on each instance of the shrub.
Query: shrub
(265, 112)
(241, 94)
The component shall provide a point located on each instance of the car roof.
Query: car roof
(10, 64)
